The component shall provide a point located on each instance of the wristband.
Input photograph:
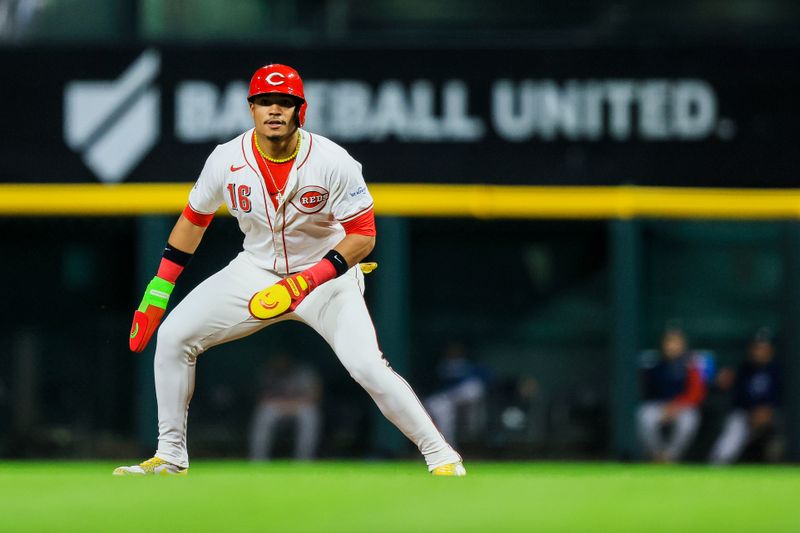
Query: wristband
(172, 263)
(338, 262)
(178, 257)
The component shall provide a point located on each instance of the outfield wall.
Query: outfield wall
(568, 299)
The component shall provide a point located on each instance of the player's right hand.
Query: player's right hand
(150, 311)
(281, 297)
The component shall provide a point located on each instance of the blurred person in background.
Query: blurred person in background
(756, 391)
(461, 388)
(16, 16)
(672, 390)
(289, 392)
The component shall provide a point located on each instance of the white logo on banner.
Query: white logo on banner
(114, 124)
(546, 110)
(648, 110)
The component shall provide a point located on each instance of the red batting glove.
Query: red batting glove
(152, 308)
(143, 327)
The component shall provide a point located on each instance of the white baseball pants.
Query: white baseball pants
(216, 312)
(732, 440)
(650, 427)
(307, 419)
(443, 406)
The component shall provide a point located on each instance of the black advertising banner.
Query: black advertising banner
(687, 117)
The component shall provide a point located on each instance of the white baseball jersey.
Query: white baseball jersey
(324, 189)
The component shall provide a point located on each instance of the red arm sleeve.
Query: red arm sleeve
(695, 390)
(198, 219)
(362, 225)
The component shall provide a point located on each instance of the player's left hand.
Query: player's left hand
(283, 297)
(151, 309)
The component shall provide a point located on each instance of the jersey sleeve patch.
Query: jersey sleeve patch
(350, 196)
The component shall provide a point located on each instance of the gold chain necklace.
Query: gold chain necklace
(272, 160)
(264, 157)
(279, 194)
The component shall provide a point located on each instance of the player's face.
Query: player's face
(273, 115)
(761, 352)
(673, 345)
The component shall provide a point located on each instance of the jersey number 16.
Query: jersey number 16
(242, 197)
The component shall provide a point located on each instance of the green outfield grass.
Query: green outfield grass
(376, 497)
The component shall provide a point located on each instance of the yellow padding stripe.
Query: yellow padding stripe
(93, 199)
(427, 200)
(498, 201)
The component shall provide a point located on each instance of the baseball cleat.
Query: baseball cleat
(152, 467)
(450, 469)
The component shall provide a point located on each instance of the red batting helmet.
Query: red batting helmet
(280, 79)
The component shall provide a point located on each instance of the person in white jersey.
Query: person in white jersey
(307, 218)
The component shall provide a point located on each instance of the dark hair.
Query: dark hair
(763, 334)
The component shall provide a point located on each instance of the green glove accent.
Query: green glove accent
(156, 294)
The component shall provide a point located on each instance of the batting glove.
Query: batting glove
(283, 297)
(150, 311)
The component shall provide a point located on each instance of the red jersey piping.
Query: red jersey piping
(310, 144)
(351, 217)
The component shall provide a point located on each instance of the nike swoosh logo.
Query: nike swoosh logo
(234, 169)
(135, 330)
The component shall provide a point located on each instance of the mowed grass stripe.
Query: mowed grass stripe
(361, 496)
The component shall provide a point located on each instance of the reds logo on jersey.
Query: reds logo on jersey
(310, 199)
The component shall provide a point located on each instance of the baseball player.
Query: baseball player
(756, 401)
(307, 218)
(673, 389)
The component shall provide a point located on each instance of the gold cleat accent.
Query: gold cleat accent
(450, 469)
(152, 467)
